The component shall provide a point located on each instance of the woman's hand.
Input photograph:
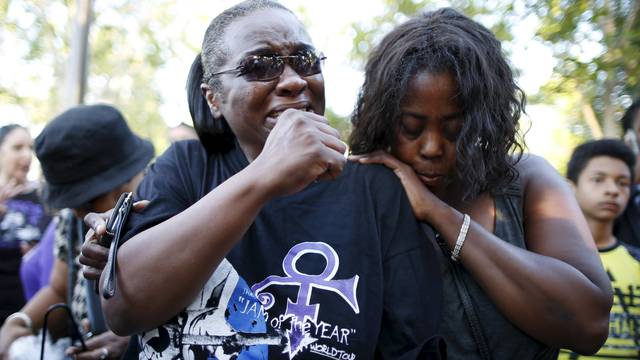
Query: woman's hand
(9, 190)
(93, 255)
(10, 331)
(301, 148)
(422, 200)
(100, 347)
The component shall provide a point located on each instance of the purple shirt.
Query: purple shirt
(37, 264)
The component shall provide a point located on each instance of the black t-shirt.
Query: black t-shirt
(340, 270)
(627, 225)
(24, 220)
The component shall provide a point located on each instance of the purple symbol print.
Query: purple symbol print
(302, 309)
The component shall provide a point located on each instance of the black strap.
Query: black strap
(75, 235)
(472, 318)
(109, 286)
(70, 221)
(121, 213)
(94, 308)
(75, 330)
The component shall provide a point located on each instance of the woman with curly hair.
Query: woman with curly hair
(521, 273)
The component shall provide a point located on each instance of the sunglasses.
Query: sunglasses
(269, 67)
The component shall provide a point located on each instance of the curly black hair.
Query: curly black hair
(583, 153)
(214, 133)
(446, 41)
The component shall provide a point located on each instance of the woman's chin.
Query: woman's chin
(432, 181)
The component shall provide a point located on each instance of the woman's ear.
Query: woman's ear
(212, 100)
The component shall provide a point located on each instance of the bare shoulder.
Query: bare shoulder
(532, 166)
(542, 185)
(550, 208)
(537, 175)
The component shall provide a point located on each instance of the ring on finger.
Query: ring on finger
(104, 353)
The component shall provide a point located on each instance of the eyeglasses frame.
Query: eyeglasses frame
(283, 58)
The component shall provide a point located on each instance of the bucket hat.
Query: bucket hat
(86, 152)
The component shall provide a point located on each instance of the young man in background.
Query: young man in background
(601, 173)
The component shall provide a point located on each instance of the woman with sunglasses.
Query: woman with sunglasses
(521, 274)
(259, 241)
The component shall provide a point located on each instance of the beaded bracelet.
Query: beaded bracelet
(455, 254)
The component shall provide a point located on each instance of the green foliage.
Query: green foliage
(340, 123)
(555, 130)
(126, 53)
(4, 7)
(597, 44)
(42, 44)
(367, 35)
(128, 46)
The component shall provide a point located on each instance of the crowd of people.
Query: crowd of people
(436, 237)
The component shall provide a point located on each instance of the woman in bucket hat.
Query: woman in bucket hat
(89, 156)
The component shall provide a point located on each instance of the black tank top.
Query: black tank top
(504, 339)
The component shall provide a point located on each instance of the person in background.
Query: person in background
(22, 215)
(182, 132)
(521, 273)
(627, 226)
(601, 175)
(89, 156)
(37, 264)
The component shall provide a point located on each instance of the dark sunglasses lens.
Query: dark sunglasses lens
(260, 68)
(265, 68)
(307, 64)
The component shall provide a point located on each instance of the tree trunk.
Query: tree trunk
(76, 79)
(609, 124)
(591, 119)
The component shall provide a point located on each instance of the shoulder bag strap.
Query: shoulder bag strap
(115, 224)
(94, 308)
(471, 316)
(469, 310)
(71, 264)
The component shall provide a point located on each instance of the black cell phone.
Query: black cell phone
(117, 218)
